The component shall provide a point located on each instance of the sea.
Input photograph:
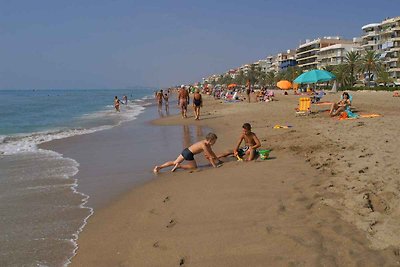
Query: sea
(41, 210)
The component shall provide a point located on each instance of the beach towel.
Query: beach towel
(370, 115)
(282, 126)
(346, 116)
(323, 103)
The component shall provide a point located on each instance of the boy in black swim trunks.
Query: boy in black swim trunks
(251, 144)
(188, 155)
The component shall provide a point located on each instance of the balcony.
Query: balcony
(307, 58)
(370, 34)
(303, 51)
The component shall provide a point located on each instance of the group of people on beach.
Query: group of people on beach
(250, 139)
(249, 150)
(183, 101)
(118, 102)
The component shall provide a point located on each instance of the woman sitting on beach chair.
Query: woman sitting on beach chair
(340, 106)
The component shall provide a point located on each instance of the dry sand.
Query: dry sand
(328, 196)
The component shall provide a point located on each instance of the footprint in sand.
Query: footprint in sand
(153, 211)
(281, 207)
(166, 199)
(171, 223)
(182, 261)
(396, 252)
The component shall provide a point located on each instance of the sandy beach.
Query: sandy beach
(328, 195)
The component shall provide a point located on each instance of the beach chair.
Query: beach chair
(304, 106)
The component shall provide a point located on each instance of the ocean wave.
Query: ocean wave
(107, 118)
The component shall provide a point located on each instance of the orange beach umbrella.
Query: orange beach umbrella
(284, 84)
(232, 85)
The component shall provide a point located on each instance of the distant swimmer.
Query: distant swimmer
(116, 103)
(125, 99)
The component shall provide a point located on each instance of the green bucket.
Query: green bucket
(264, 154)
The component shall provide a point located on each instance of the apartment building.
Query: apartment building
(307, 54)
(335, 54)
(389, 46)
(286, 59)
(370, 36)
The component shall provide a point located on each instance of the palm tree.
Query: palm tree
(240, 78)
(292, 73)
(370, 63)
(262, 78)
(270, 79)
(342, 75)
(384, 77)
(352, 62)
(279, 76)
(252, 74)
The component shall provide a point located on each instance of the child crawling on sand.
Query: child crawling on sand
(251, 143)
(188, 155)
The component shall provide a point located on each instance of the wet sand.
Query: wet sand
(328, 196)
(113, 161)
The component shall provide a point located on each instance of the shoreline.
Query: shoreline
(81, 148)
(198, 208)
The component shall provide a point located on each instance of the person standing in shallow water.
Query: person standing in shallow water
(159, 99)
(197, 103)
(116, 103)
(183, 101)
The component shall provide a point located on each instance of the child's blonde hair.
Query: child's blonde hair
(211, 136)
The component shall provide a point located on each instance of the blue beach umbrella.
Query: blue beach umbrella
(315, 76)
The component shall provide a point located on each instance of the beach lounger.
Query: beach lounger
(304, 106)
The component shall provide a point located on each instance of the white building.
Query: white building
(370, 37)
(334, 54)
(307, 54)
(389, 46)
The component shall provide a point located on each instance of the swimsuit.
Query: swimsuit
(197, 102)
(187, 154)
(183, 103)
(242, 151)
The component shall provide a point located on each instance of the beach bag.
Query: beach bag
(343, 115)
(264, 154)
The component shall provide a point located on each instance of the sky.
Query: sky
(54, 44)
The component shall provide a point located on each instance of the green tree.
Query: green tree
(270, 78)
(352, 62)
(370, 64)
(279, 76)
(252, 74)
(240, 78)
(384, 77)
(292, 73)
(262, 78)
(342, 75)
